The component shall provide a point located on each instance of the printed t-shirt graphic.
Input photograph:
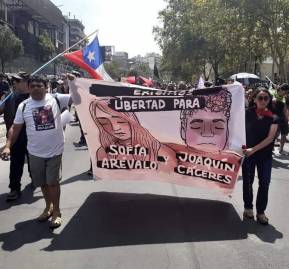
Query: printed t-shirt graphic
(43, 118)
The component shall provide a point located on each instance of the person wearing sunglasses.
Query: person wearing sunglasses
(261, 129)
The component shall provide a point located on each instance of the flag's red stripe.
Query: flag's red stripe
(77, 58)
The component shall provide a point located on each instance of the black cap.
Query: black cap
(20, 76)
(2, 75)
(23, 75)
(15, 77)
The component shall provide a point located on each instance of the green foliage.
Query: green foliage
(219, 33)
(10, 46)
(132, 73)
(114, 70)
(143, 69)
(271, 20)
(46, 46)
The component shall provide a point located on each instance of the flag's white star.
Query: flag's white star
(91, 56)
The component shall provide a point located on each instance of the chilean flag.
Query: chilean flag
(90, 59)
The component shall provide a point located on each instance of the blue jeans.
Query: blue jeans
(264, 168)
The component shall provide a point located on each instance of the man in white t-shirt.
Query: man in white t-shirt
(41, 114)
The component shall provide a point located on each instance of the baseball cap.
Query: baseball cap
(24, 75)
(20, 76)
(2, 75)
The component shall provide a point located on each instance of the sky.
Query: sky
(125, 24)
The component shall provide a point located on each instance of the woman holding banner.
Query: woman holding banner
(261, 128)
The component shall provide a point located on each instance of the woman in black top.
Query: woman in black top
(261, 128)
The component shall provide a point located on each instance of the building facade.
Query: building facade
(121, 59)
(76, 32)
(29, 19)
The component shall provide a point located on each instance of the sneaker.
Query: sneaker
(13, 195)
(262, 218)
(248, 213)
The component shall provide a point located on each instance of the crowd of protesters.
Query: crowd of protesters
(45, 98)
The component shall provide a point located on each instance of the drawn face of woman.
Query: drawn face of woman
(114, 125)
(207, 129)
(262, 100)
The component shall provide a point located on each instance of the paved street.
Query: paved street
(122, 224)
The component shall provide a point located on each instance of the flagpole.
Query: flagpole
(270, 81)
(5, 99)
(50, 61)
(60, 54)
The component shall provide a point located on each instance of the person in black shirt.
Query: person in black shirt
(4, 86)
(261, 129)
(280, 109)
(19, 149)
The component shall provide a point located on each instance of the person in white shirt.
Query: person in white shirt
(41, 116)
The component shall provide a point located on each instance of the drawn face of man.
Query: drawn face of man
(205, 128)
(114, 125)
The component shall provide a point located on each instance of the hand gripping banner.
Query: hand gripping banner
(189, 137)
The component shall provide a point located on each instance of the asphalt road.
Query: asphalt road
(124, 224)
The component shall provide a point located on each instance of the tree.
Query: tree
(143, 69)
(114, 70)
(195, 33)
(271, 19)
(177, 40)
(46, 47)
(10, 46)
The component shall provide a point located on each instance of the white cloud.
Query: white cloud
(126, 24)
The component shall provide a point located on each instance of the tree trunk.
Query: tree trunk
(282, 70)
(273, 70)
(255, 65)
(216, 70)
(207, 76)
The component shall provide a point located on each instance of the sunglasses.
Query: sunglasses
(263, 98)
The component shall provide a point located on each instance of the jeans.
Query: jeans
(17, 160)
(264, 167)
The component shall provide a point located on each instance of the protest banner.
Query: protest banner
(189, 137)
